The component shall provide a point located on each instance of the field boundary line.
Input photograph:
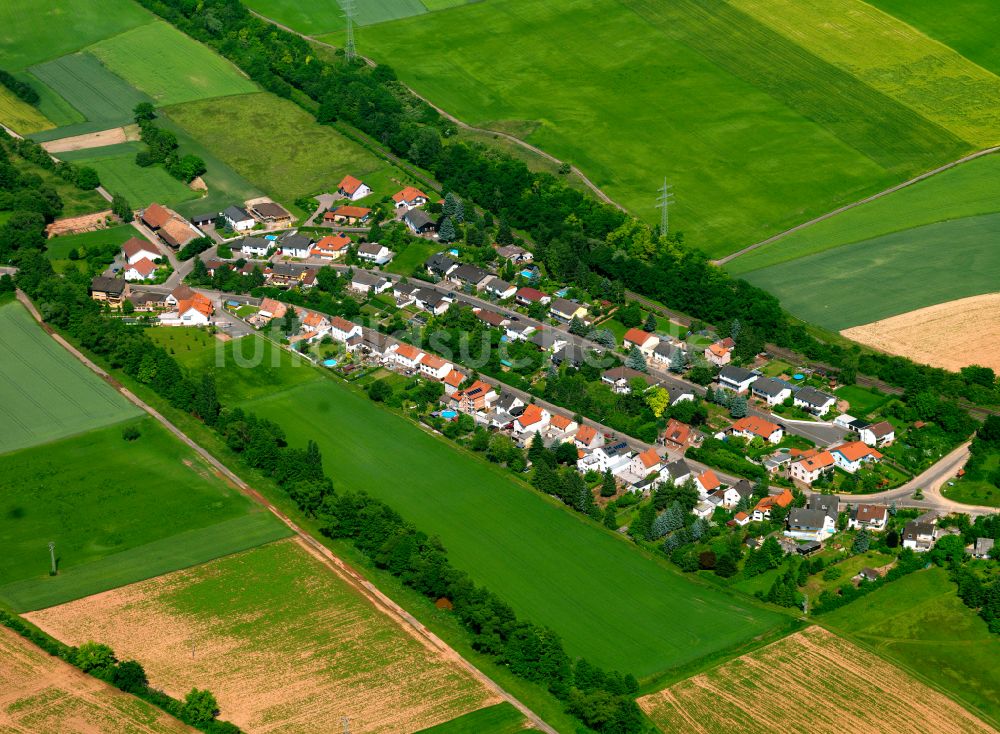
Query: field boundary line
(368, 589)
(847, 207)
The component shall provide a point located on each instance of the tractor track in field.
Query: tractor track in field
(335, 563)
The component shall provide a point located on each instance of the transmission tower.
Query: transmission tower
(350, 52)
(664, 200)
(52, 556)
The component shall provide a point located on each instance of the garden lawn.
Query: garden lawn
(608, 600)
(964, 191)
(46, 393)
(21, 116)
(119, 174)
(874, 279)
(414, 255)
(919, 622)
(57, 249)
(980, 491)
(787, 156)
(275, 144)
(37, 30)
(116, 511)
(170, 66)
(862, 400)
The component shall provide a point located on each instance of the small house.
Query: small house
(814, 401)
(352, 188)
(409, 198)
(736, 379)
(347, 214)
(238, 219)
(375, 253)
(419, 223)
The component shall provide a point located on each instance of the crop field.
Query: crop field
(967, 190)
(276, 145)
(500, 719)
(21, 116)
(59, 27)
(85, 494)
(169, 66)
(102, 97)
(889, 275)
(971, 27)
(810, 135)
(826, 684)
(119, 173)
(41, 694)
(547, 562)
(45, 393)
(920, 623)
(283, 642)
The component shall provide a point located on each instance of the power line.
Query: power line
(350, 52)
(664, 200)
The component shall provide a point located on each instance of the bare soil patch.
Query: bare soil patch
(811, 681)
(198, 184)
(950, 335)
(82, 223)
(40, 694)
(285, 645)
(112, 136)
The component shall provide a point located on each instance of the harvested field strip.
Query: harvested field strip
(826, 684)
(284, 643)
(45, 393)
(41, 694)
(142, 562)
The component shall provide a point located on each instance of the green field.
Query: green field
(46, 393)
(607, 600)
(967, 190)
(663, 82)
(103, 98)
(21, 116)
(971, 27)
(920, 622)
(500, 719)
(170, 66)
(863, 401)
(37, 30)
(315, 17)
(276, 145)
(978, 491)
(116, 511)
(874, 279)
(115, 164)
(57, 249)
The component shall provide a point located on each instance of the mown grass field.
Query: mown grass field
(37, 30)
(826, 685)
(57, 249)
(104, 501)
(169, 66)
(315, 17)
(660, 96)
(283, 642)
(276, 145)
(893, 274)
(609, 602)
(115, 164)
(21, 116)
(45, 393)
(971, 27)
(920, 622)
(42, 694)
(863, 401)
(500, 719)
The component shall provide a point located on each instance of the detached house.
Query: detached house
(763, 508)
(341, 329)
(271, 215)
(753, 426)
(645, 341)
(645, 463)
(140, 270)
(919, 536)
(295, 245)
(407, 356)
(706, 483)
(253, 246)
(476, 397)
(375, 253)
(771, 390)
(514, 254)
(112, 290)
(677, 435)
(135, 250)
(742, 490)
(736, 379)
(870, 517)
(432, 301)
(850, 456)
(533, 420)
(492, 318)
(817, 521)
(470, 275)
(238, 219)
(811, 465)
(814, 401)
(527, 296)
(352, 188)
(665, 352)
(562, 309)
(419, 223)
(409, 198)
(720, 353)
(620, 379)
(616, 457)
(562, 428)
(677, 471)
(878, 434)
(452, 381)
(434, 367)
(363, 282)
(588, 437)
(347, 214)
(440, 265)
(500, 289)
(331, 247)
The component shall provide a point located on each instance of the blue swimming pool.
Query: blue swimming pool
(449, 414)
(329, 363)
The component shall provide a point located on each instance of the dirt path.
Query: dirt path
(112, 136)
(846, 207)
(321, 551)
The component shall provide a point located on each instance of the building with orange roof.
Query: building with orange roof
(409, 198)
(330, 247)
(155, 216)
(353, 188)
(719, 354)
(707, 482)
(741, 519)
(434, 367)
(753, 426)
(141, 269)
(588, 437)
(533, 419)
(850, 456)
(477, 396)
(274, 309)
(452, 381)
(677, 434)
(314, 320)
(646, 462)
(135, 249)
(764, 506)
(407, 356)
(347, 214)
(645, 341)
(563, 424)
(810, 466)
(195, 311)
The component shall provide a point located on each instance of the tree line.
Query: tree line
(602, 700)
(22, 90)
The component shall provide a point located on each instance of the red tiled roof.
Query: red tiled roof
(408, 194)
(433, 361)
(454, 378)
(856, 450)
(820, 460)
(530, 294)
(155, 216)
(349, 184)
(709, 481)
(649, 457)
(561, 422)
(756, 425)
(677, 432)
(341, 324)
(408, 352)
(781, 500)
(332, 243)
(586, 434)
(637, 336)
(144, 267)
(133, 246)
(532, 414)
(351, 212)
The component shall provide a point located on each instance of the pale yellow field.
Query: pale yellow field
(20, 116)
(40, 694)
(283, 643)
(812, 681)
(951, 335)
(894, 58)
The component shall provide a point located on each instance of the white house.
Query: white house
(533, 419)
(739, 491)
(353, 188)
(432, 301)
(736, 379)
(616, 457)
(811, 524)
(753, 426)
(645, 341)
(434, 367)
(409, 198)
(407, 356)
(706, 483)
(771, 390)
(811, 466)
(919, 536)
(850, 456)
(815, 402)
(871, 517)
(341, 329)
(500, 289)
(720, 353)
(645, 463)
(140, 269)
(588, 437)
(237, 219)
(665, 351)
(373, 252)
(561, 428)
(363, 282)
(677, 471)
(331, 247)
(878, 434)
(135, 250)
(254, 246)
(295, 245)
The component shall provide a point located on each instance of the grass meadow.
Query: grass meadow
(283, 642)
(919, 622)
(21, 116)
(862, 400)
(500, 719)
(276, 145)
(115, 510)
(45, 393)
(609, 601)
(169, 66)
(37, 30)
(57, 249)
(893, 274)
(657, 99)
(316, 17)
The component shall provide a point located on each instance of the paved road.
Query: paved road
(332, 561)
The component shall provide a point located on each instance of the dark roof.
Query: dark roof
(365, 278)
(429, 297)
(270, 209)
(564, 306)
(812, 396)
(735, 374)
(828, 503)
(545, 338)
(802, 517)
(625, 373)
(913, 529)
(808, 547)
(112, 286)
(769, 386)
(141, 297)
(676, 392)
(236, 213)
(498, 286)
(258, 242)
(296, 241)
(440, 263)
(677, 469)
(369, 248)
(666, 349)
(883, 428)
(469, 273)
(569, 353)
(743, 488)
(418, 218)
